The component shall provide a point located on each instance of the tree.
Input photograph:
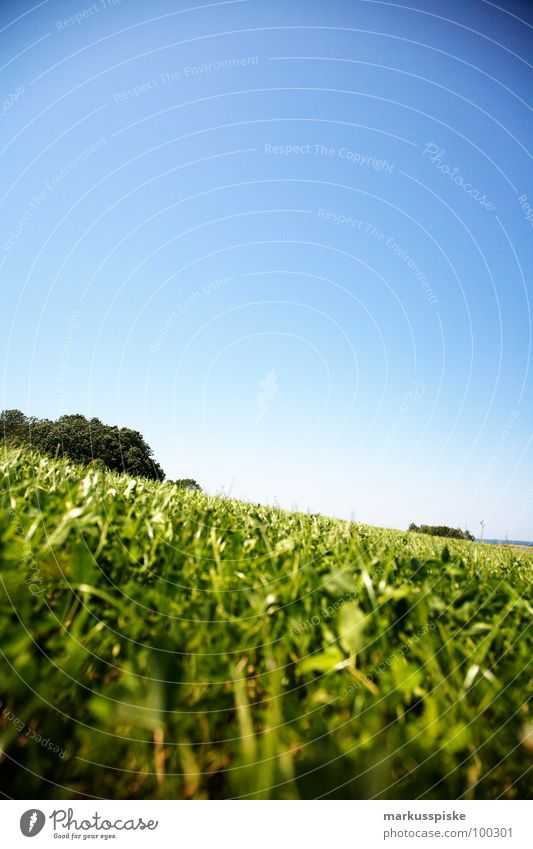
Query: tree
(13, 426)
(137, 456)
(188, 483)
(83, 441)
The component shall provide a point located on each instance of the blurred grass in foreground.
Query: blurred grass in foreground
(179, 645)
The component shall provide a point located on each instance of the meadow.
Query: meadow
(161, 643)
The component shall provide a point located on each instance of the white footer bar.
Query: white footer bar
(267, 825)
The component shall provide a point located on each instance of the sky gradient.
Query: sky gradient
(291, 243)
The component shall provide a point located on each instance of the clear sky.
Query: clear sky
(290, 242)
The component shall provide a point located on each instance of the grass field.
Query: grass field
(164, 644)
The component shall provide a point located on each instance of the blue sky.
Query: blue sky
(289, 242)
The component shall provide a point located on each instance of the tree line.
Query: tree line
(86, 441)
(442, 531)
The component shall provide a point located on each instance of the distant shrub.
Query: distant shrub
(442, 531)
(188, 483)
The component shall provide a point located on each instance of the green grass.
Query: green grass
(180, 645)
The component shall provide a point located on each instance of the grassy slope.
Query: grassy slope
(183, 645)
